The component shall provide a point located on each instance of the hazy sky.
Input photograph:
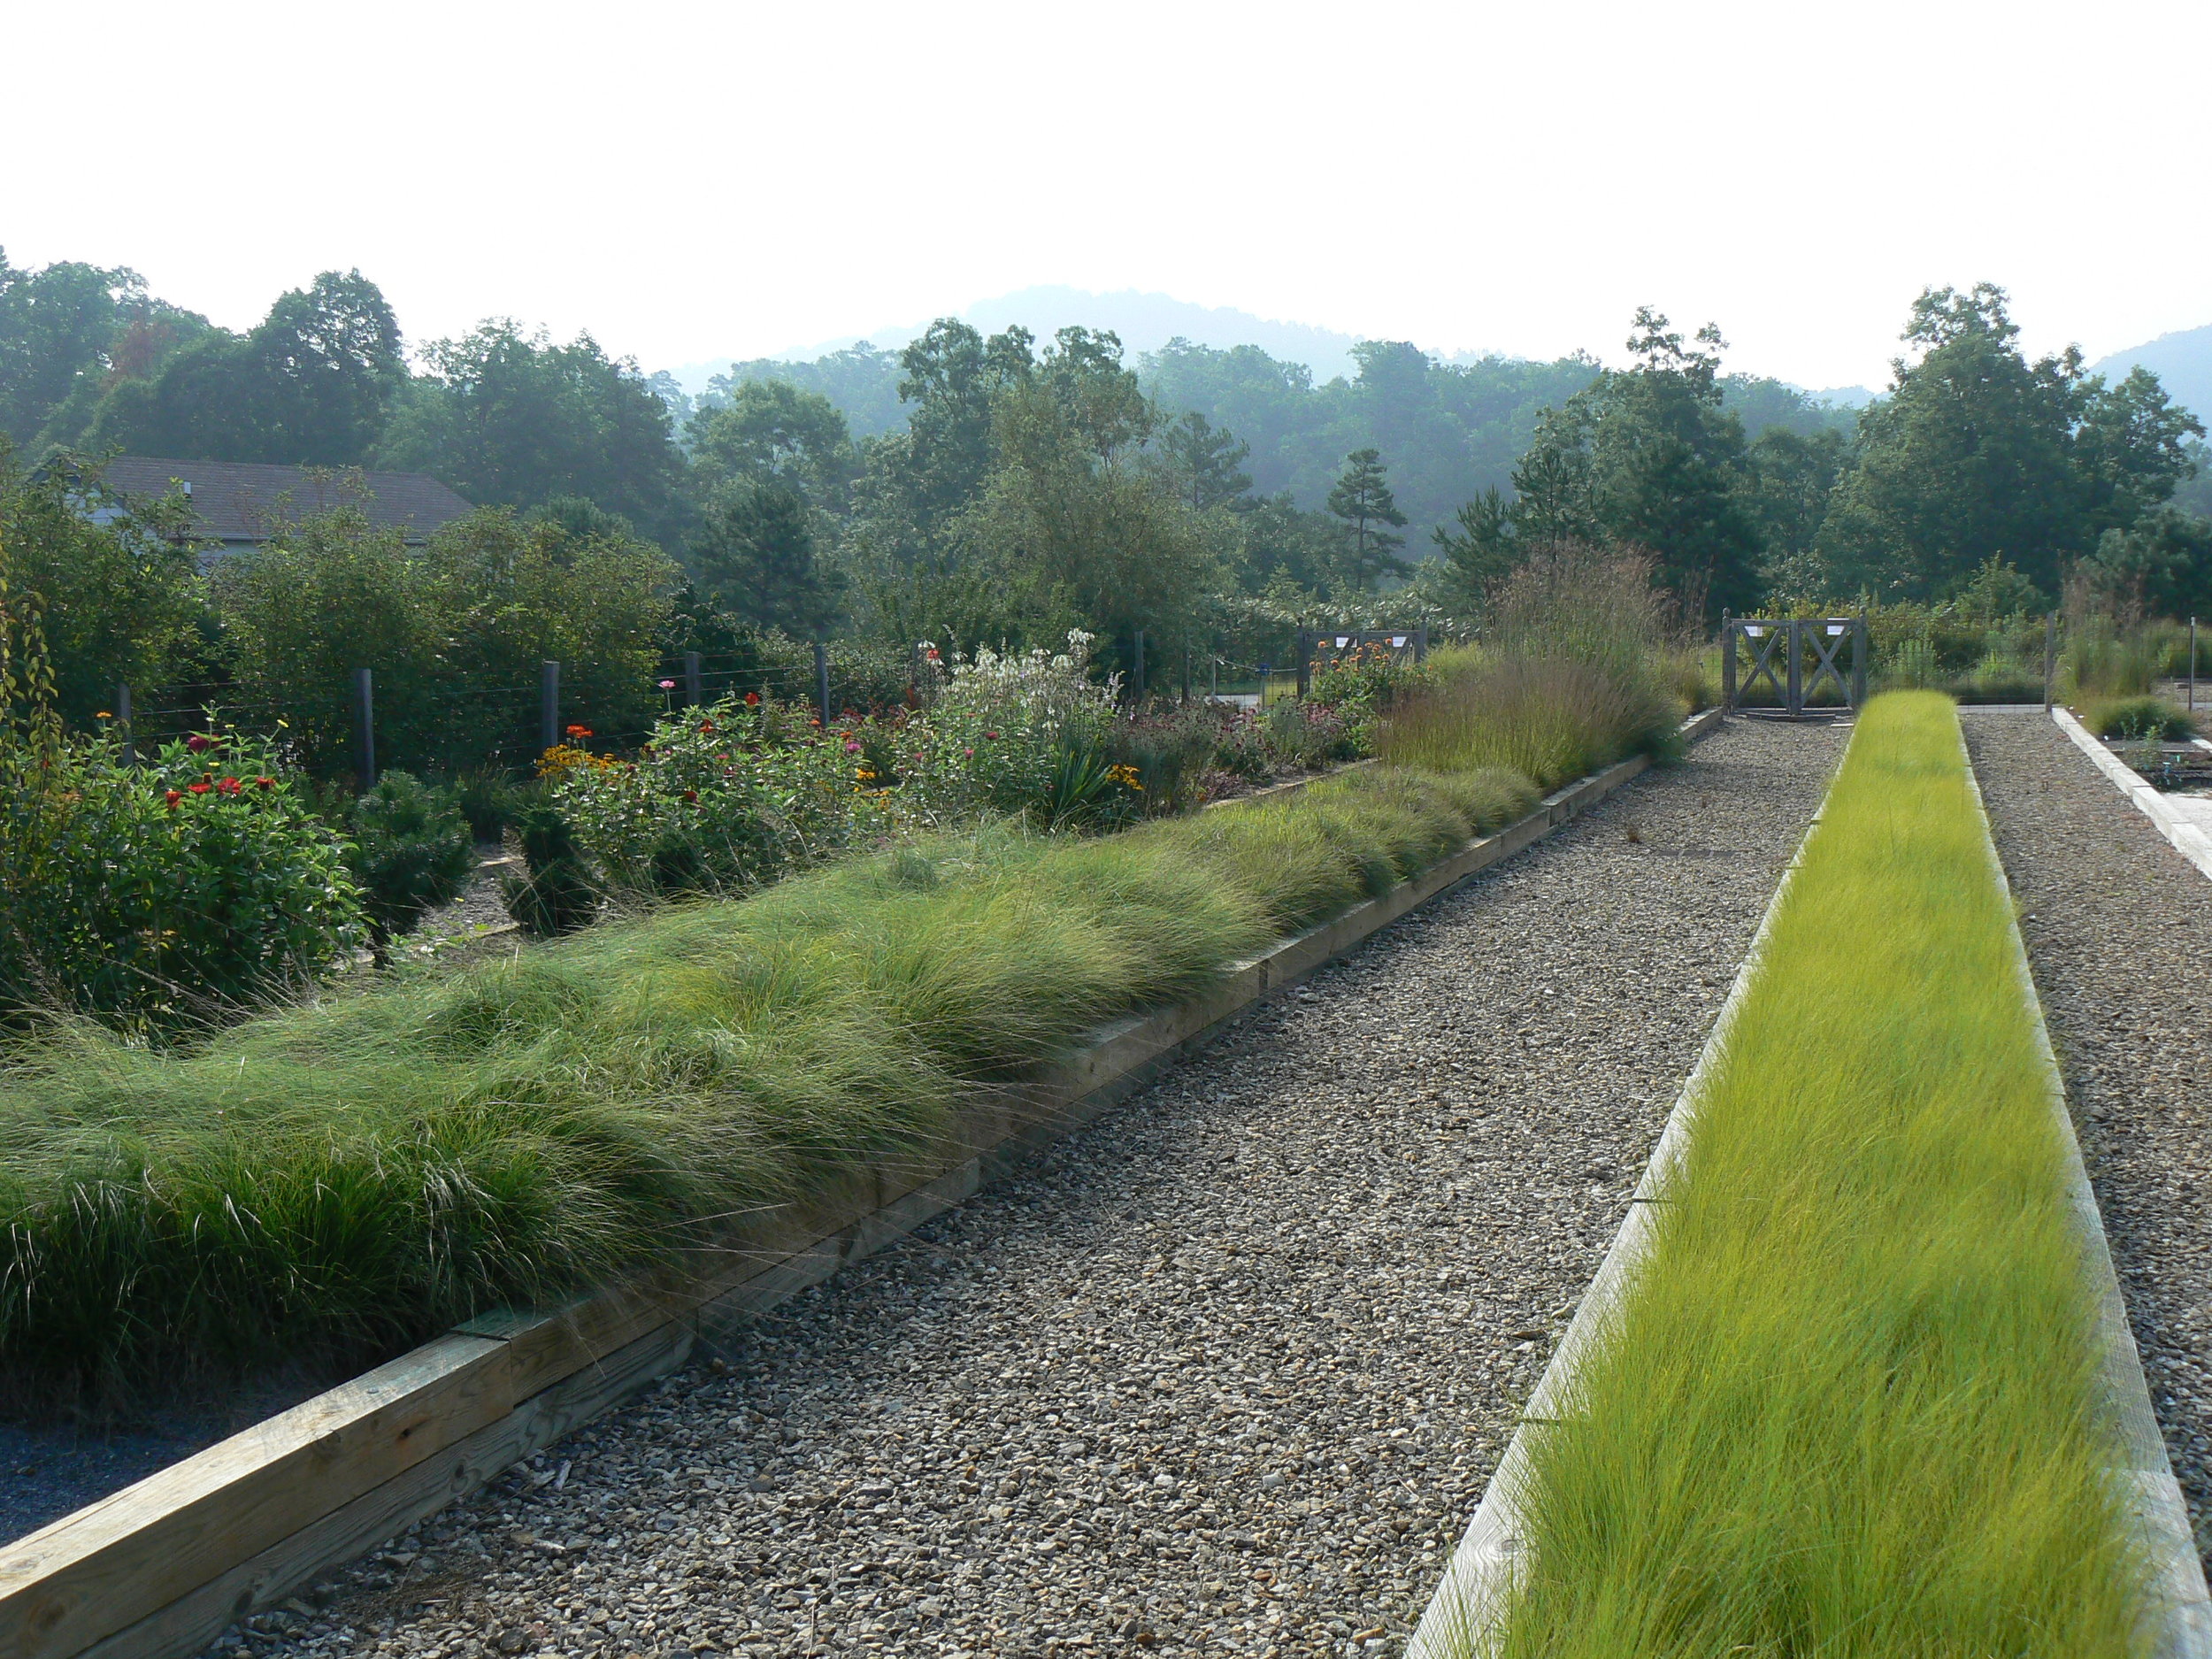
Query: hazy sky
(689, 181)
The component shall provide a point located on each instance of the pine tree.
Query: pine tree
(1362, 498)
(756, 558)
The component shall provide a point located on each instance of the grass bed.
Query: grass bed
(1847, 1406)
(333, 1183)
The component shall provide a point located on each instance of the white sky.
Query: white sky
(690, 180)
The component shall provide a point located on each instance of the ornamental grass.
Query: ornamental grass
(331, 1183)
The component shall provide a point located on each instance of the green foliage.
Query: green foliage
(512, 418)
(66, 330)
(557, 892)
(386, 1164)
(770, 432)
(312, 385)
(1976, 454)
(1849, 1403)
(1361, 497)
(454, 632)
(754, 555)
(412, 852)
(2140, 718)
(117, 583)
(163, 896)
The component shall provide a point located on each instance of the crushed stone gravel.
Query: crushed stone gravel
(2119, 930)
(1224, 1373)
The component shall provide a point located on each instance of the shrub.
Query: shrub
(165, 895)
(2140, 720)
(412, 852)
(559, 894)
(491, 798)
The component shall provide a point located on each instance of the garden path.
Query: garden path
(1224, 1373)
(2119, 929)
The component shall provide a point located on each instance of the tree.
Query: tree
(512, 418)
(312, 385)
(770, 431)
(117, 583)
(1968, 457)
(1363, 500)
(756, 555)
(1205, 462)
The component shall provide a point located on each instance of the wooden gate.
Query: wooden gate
(1776, 646)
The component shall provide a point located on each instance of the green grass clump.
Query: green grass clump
(333, 1182)
(1847, 1406)
(1552, 719)
(2140, 718)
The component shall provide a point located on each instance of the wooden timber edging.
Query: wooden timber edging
(2189, 839)
(1470, 1600)
(161, 1568)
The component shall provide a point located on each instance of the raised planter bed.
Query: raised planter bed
(161, 1567)
(2185, 821)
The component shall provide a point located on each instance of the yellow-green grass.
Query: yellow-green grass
(333, 1182)
(1847, 1405)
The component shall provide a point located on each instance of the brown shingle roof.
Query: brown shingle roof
(236, 501)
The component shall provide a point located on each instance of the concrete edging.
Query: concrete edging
(2189, 840)
(161, 1568)
(1470, 1601)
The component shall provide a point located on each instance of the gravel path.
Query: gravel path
(1224, 1374)
(2119, 927)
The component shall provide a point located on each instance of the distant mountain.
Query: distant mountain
(2183, 362)
(1145, 322)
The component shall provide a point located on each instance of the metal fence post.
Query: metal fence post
(821, 681)
(1305, 665)
(548, 704)
(1727, 663)
(2050, 656)
(1421, 644)
(694, 684)
(1795, 644)
(364, 711)
(1858, 662)
(2193, 670)
(130, 742)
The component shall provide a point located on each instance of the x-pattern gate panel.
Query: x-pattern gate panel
(1777, 649)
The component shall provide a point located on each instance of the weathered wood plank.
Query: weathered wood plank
(66, 1585)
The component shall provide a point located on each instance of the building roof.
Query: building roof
(237, 501)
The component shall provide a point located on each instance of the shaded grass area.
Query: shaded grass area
(338, 1181)
(1847, 1406)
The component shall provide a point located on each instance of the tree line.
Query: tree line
(970, 487)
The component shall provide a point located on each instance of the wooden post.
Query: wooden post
(1727, 663)
(1858, 662)
(548, 704)
(1136, 671)
(364, 711)
(1421, 644)
(1214, 669)
(821, 681)
(1305, 665)
(694, 682)
(1794, 643)
(130, 741)
(2193, 670)
(2050, 656)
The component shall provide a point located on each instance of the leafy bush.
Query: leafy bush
(723, 798)
(165, 895)
(412, 852)
(2140, 719)
(491, 798)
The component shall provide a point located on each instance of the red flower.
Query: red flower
(264, 783)
(706, 727)
(198, 744)
(580, 731)
(202, 787)
(172, 797)
(752, 698)
(991, 735)
(691, 795)
(229, 786)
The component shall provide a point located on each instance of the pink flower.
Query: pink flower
(198, 744)
(852, 748)
(668, 685)
(991, 735)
